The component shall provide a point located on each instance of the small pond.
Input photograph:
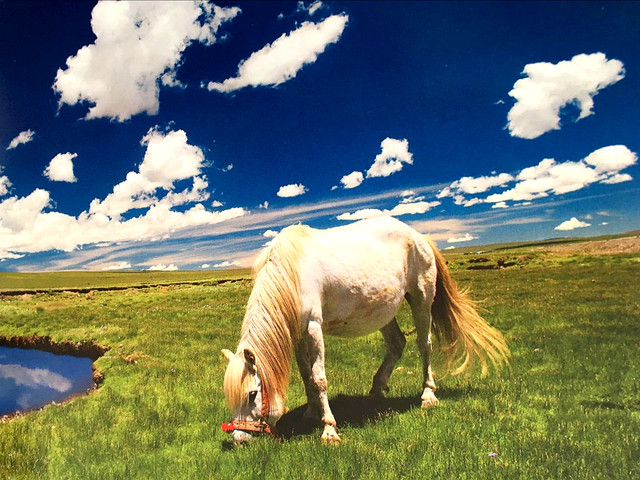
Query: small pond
(32, 378)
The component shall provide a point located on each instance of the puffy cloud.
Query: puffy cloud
(409, 196)
(353, 180)
(465, 238)
(398, 210)
(611, 159)
(500, 205)
(138, 46)
(60, 169)
(292, 190)
(394, 154)
(281, 60)
(312, 8)
(17, 214)
(548, 87)
(26, 226)
(226, 264)
(168, 158)
(161, 267)
(270, 234)
(481, 184)
(545, 178)
(617, 178)
(5, 184)
(473, 185)
(549, 176)
(118, 266)
(572, 224)
(22, 138)
(35, 377)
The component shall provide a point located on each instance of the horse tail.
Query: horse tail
(456, 322)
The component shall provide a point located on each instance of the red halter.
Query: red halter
(256, 426)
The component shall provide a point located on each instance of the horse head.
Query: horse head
(255, 409)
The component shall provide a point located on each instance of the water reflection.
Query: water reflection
(32, 378)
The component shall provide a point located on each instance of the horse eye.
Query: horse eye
(252, 396)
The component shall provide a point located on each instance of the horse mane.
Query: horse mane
(271, 325)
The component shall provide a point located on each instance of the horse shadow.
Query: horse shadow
(355, 411)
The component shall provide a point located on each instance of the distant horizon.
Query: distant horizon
(185, 135)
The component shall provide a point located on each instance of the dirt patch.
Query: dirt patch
(614, 246)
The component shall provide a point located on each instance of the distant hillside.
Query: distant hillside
(496, 247)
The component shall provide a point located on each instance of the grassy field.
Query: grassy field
(569, 406)
(73, 281)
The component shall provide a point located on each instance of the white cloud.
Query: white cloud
(549, 87)
(473, 185)
(611, 159)
(60, 169)
(226, 264)
(168, 158)
(204, 266)
(312, 8)
(292, 190)
(465, 238)
(22, 138)
(572, 224)
(18, 214)
(161, 267)
(549, 176)
(481, 184)
(118, 266)
(281, 60)
(35, 377)
(5, 184)
(138, 46)
(26, 226)
(409, 196)
(617, 178)
(353, 180)
(394, 154)
(546, 178)
(270, 234)
(398, 210)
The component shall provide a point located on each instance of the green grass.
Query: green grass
(78, 280)
(569, 407)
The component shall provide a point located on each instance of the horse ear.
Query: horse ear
(228, 354)
(249, 357)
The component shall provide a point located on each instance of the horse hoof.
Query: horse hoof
(330, 436)
(430, 400)
(331, 439)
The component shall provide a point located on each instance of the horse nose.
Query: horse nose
(240, 437)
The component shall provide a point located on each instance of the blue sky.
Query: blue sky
(184, 135)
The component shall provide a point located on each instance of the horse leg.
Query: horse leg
(394, 342)
(319, 380)
(304, 365)
(421, 312)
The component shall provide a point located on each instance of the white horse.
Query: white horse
(346, 281)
